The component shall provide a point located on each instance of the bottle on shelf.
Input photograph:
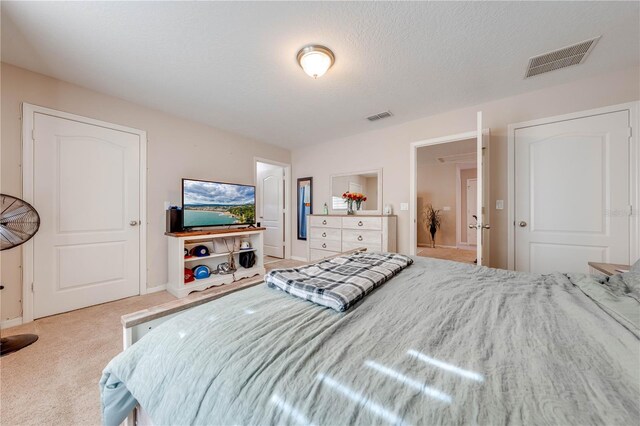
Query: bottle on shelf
(325, 210)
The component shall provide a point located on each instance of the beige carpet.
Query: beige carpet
(55, 380)
(457, 255)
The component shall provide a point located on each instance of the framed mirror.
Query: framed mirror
(305, 205)
(368, 183)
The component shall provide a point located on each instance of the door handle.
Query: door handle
(486, 226)
(324, 222)
(471, 226)
(522, 224)
(359, 237)
(133, 223)
(324, 245)
(324, 234)
(360, 223)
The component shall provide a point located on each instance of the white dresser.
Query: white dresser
(333, 234)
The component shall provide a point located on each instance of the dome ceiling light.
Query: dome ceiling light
(315, 60)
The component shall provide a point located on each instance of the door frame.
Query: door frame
(413, 176)
(28, 119)
(633, 109)
(287, 198)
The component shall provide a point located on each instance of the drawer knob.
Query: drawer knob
(324, 245)
(360, 223)
(324, 234)
(359, 237)
(324, 222)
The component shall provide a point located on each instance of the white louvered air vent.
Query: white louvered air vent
(561, 58)
(376, 117)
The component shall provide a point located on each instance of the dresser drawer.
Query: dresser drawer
(363, 236)
(352, 246)
(325, 234)
(320, 254)
(325, 221)
(362, 222)
(325, 245)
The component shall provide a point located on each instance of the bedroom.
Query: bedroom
(212, 89)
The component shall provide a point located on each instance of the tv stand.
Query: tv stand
(178, 241)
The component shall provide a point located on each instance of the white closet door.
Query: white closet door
(572, 193)
(271, 187)
(86, 189)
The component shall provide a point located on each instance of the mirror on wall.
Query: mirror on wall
(368, 183)
(305, 205)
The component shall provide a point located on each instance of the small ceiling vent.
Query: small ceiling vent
(376, 117)
(561, 58)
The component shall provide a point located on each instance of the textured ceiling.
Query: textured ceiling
(232, 65)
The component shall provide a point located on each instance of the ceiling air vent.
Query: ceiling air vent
(376, 117)
(561, 58)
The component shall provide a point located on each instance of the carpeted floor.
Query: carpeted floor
(457, 255)
(55, 380)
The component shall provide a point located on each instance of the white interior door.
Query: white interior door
(482, 193)
(572, 200)
(86, 189)
(271, 207)
(472, 200)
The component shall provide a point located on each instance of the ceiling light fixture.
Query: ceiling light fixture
(315, 60)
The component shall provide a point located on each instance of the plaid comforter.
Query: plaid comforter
(341, 282)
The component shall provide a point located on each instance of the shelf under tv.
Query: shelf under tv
(177, 261)
(212, 255)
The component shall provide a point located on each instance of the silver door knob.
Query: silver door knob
(473, 226)
(324, 234)
(522, 224)
(133, 223)
(486, 226)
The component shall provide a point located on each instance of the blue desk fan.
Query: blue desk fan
(19, 221)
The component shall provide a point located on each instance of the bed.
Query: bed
(440, 343)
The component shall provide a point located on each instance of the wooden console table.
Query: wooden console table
(178, 241)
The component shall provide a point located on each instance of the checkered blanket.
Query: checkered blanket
(341, 282)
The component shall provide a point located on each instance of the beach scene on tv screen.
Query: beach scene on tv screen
(211, 203)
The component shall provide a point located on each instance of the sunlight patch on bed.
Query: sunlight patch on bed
(421, 387)
(446, 366)
(365, 402)
(288, 410)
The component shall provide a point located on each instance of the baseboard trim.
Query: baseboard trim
(156, 289)
(10, 323)
(299, 259)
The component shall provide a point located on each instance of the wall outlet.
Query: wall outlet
(499, 204)
(404, 206)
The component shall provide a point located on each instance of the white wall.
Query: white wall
(177, 148)
(388, 148)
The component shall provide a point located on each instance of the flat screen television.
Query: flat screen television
(207, 203)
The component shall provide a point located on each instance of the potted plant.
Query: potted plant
(432, 220)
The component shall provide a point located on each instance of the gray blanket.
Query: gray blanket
(440, 343)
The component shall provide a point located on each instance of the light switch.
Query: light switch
(404, 206)
(446, 208)
(499, 204)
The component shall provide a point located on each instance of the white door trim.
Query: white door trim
(634, 168)
(28, 112)
(287, 198)
(413, 150)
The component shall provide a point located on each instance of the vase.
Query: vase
(358, 204)
(432, 231)
(350, 210)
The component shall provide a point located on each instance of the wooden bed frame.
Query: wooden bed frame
(138, 324)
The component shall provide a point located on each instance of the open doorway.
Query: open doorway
(446, 201)
(272, 205)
